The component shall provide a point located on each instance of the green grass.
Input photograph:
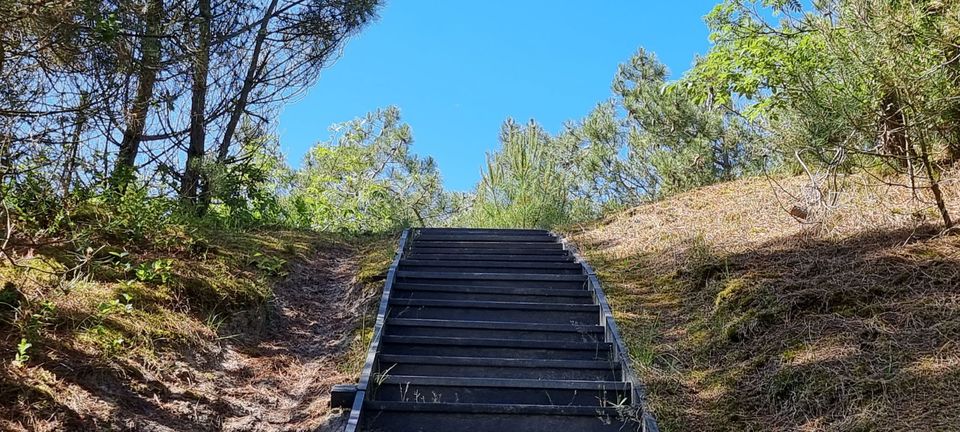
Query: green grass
(118, 306)
(374, 261)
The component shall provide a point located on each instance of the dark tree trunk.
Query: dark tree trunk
(70, 164)
(240, 105)
(6, 164)
(125, 165)
(893, 133)
(935, 187)
(249, 81)
(198, 103)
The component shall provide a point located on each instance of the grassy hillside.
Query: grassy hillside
(197, 329)
(741, 317)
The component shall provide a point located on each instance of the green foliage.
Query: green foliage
(122, 304)
(603, 175)
(35, 203)
(526, 183)
(872, 80)
(249, 190)
(106, 335)
(128, 218)
(271, 265)
(110, 341)
(21, 357)
(43, 317)
(158, 271)
(365, 179)
(88, 219)
(106, 28)
(674, 144)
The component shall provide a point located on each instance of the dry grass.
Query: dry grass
(247, 333)
(742, 318)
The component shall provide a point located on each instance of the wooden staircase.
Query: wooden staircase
(494, 330)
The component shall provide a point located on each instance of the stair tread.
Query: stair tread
(541, 238)
(501, 264)
(497, 325)
(491, 276)
(493, 342)
(505, 383)
(468, 304)
(506, 246)
(462, 230)
(501, 362)
(520, 243)
(407, 286)
(477, 408)
(490, 257)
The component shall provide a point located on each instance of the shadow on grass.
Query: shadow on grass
(858, 333)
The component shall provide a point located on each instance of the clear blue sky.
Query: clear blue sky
(458, 69)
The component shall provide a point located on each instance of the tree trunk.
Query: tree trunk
(6, 164)
(249, 81)
(952, 134)
(198, 103)
(69, 165)
(125, 165)
(893, 132)
(935, 187)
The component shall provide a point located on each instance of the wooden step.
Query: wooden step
(498, 294)
(498, 245)
(483, 231)
(556, 258)
(540, 238)
(493, 330)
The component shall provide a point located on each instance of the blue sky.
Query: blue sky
(458, 69)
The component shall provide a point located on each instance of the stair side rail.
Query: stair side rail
(612, 336)
(353, 423)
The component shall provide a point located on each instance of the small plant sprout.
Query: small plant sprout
(42, 317)
(380, 377)
(123, 304)
(269, 264)
(118, 255)
(158, 271)
(21, 357)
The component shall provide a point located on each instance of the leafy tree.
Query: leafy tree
(665, 144)
(102, 93)
(674, 144)
(103, 103)
(253, 187)
(602, 172)
(528, 182)
(867, 85)
(365, 179)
